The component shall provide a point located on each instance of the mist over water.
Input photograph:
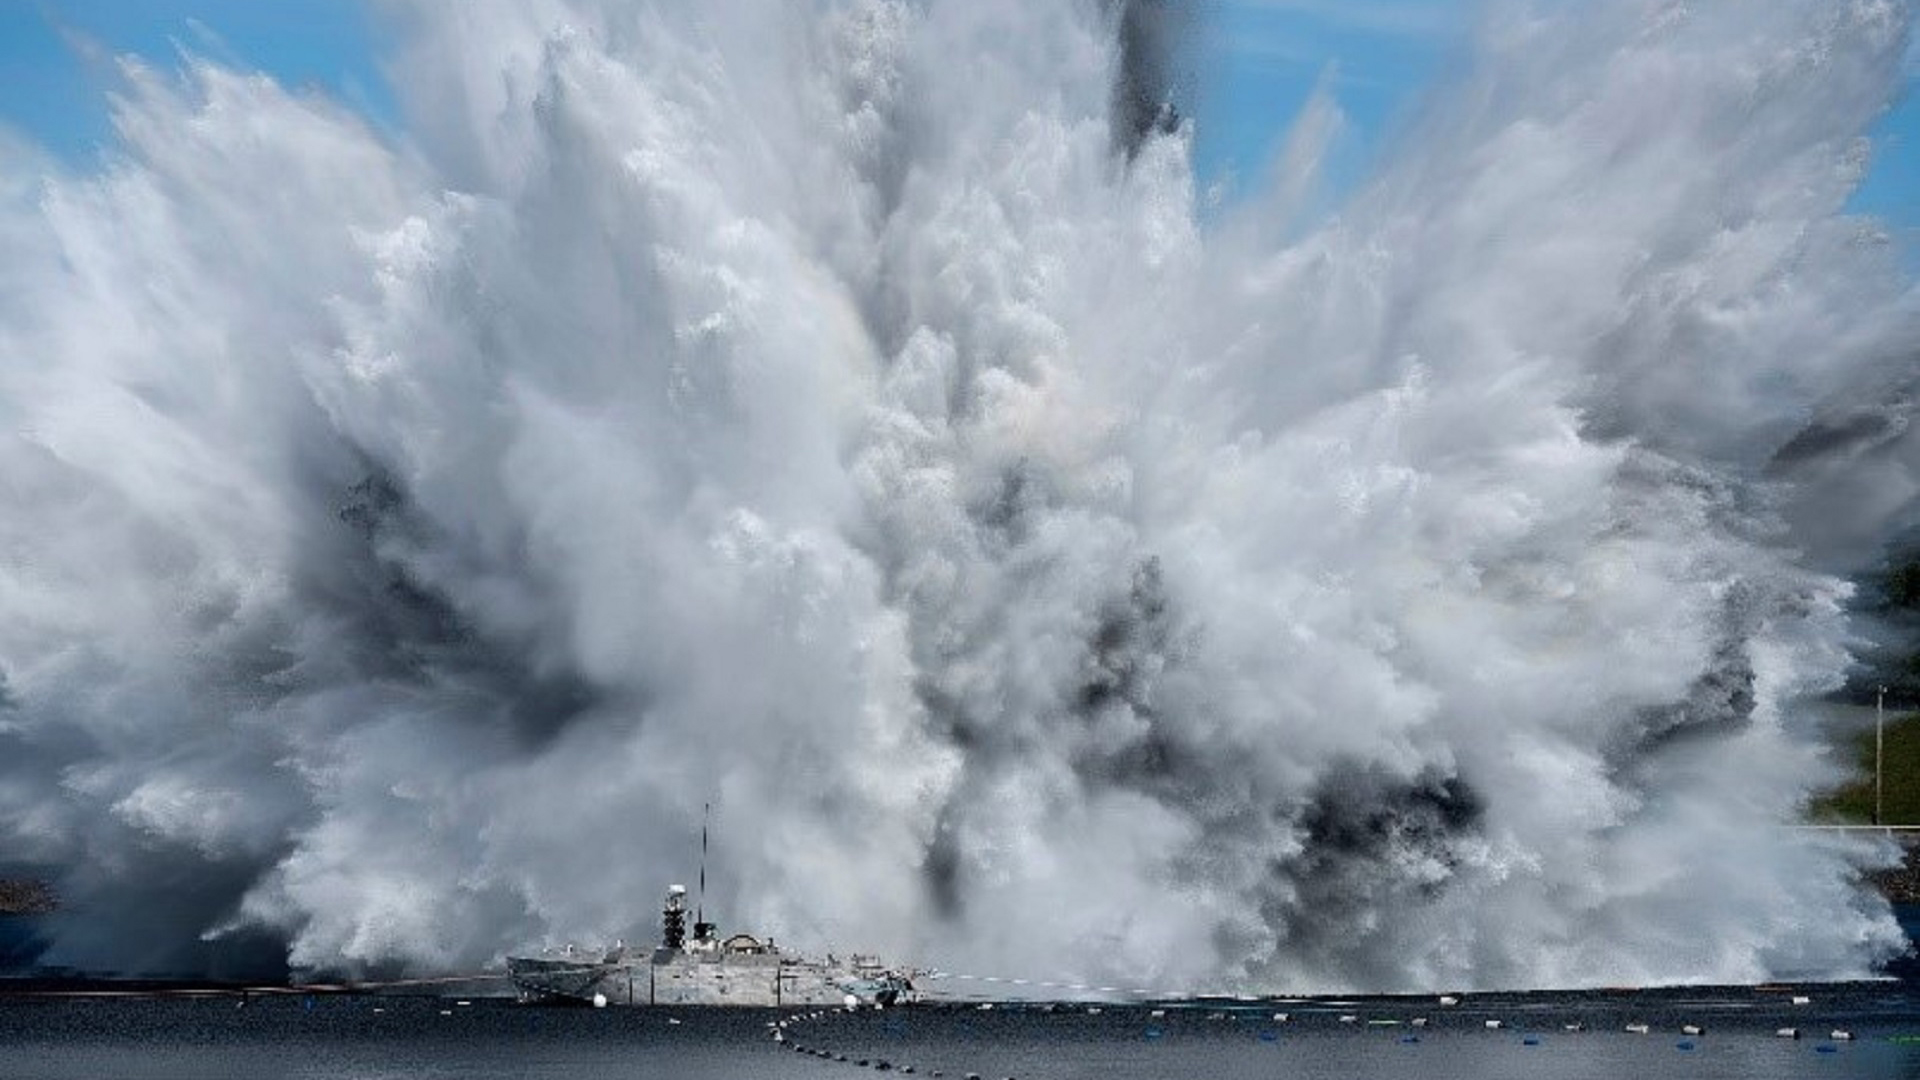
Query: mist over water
(840, 412)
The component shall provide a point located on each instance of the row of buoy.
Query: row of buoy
(1837, 1034)
(1692, 1031)
(780, 1028)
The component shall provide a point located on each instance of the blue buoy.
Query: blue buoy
(1269, 1036)
(1410, 1038)
(1684, 1044)
(1530, 1040)
(1154, 1033)
(1826, 1048)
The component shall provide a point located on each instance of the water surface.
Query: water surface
(389, 1038)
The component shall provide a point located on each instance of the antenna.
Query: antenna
(706, 815)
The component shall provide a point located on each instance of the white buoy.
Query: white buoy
(1638, 1029)
(1281, 1018)
(1692, 1029)
(1418, 1021)
(1494, 1025)
(850, 1002)
(1840, 1035)
(1349, 1018)
(599, 1001)
(1157, 1014)
(1449, 999)
(1787, 1033)
(1800, 999)
(1575, 1027)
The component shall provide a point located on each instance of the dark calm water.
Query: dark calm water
(368, 1038)
(350, 1037)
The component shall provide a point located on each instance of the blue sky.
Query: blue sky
(1256, 63)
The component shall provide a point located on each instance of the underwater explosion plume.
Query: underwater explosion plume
(838, 411)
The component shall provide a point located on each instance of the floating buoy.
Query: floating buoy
(1530, 1040)
(599, 1001)
(1154, 1033)
(1840, 1035)
(1410, 1038)
(1494, 1025)
(1826, 1048)
(1269, 1036)
(1692, 1029)
(1449, 999)
(1684, 1044)
(463, 1004)
(1787, 1033)
(1349, 1018)
(1418, 1021)
(446, 1012)
(1157, 1014)
(1576, 1027)
(1638, 1029)
(1281, 1018)
(674, 1020)
(1800, 999)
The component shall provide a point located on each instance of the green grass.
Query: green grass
(1900, 776)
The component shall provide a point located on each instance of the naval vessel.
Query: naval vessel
(704, 969)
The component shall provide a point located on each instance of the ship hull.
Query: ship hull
(757, 982)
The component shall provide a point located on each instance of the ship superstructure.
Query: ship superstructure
(704, 969)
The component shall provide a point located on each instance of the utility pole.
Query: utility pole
(1879, 749)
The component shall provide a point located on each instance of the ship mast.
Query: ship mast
(702, 929)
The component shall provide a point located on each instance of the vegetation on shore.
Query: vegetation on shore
(1900, 779)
